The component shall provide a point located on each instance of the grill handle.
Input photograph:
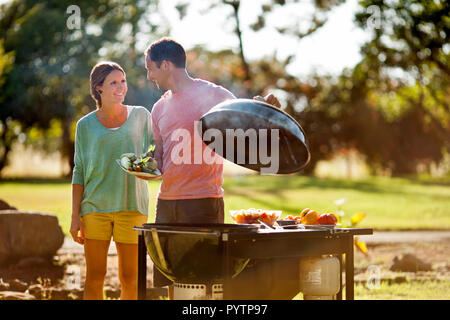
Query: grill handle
(212, 233)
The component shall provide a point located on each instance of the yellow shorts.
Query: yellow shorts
(119, 225)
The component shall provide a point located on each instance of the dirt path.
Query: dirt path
(406, 236)
(67, 275)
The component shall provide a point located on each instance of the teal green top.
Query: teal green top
(107, 188)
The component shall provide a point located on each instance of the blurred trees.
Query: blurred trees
(303, 23)
(406, 71)
(392, 107)
(53, 46)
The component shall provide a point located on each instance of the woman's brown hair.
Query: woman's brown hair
(98, 75)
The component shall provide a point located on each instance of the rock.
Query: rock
(4, 286)
(14, 295)
(17, 285)
(75, 294)
(25, 234)
(6, 206)
(35, 290)
(58, 294)
(112, 293)
(409, 263)
(32, 262)
(64, 294)
(156, 293)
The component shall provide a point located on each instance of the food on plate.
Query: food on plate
(144, 163)
(311, 217)
(327, 219)
(304, 212)
(252, 215)
(290, 217)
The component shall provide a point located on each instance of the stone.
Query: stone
(14, 295)
(5, 206)
(32, 262)
(409, 263)
(111, 292)
(35, 290)
(28, 234)
(75, 294)
(156, 293)
(4, 286)
(17, 285)
(58, 294)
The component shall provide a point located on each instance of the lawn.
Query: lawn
(390, 203)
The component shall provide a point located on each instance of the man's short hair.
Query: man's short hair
(167, 49)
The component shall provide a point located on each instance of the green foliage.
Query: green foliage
(49, 78)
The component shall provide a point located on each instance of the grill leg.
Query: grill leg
(349, 270)
(142, 267)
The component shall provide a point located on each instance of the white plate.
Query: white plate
(139, 174)
(320, 226)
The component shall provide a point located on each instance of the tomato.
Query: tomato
(327, 218)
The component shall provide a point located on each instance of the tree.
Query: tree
(303, 25)
(53, 56)
(410, 38)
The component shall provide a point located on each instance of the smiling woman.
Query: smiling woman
(106, 203)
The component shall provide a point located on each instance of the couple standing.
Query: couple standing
(108, 203)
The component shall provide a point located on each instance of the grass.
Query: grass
(410, 290)
(390, 203)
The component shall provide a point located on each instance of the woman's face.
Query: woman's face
(114, 88)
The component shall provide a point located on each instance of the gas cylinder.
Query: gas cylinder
(319, 277)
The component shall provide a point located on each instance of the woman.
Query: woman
(106, 202)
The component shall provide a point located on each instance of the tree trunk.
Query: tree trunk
(235, 5)
(6, 144)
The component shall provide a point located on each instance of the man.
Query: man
(191, 191)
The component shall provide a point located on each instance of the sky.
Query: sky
(328, 51)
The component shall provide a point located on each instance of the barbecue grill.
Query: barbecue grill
(224, 252)
(224, 261)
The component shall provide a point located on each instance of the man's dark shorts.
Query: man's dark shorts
(207, 210)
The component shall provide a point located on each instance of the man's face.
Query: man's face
(157, 75)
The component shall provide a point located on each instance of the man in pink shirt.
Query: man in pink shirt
(191, 189)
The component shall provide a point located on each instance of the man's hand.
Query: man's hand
(270, 99)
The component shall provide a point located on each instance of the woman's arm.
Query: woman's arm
(76, 225)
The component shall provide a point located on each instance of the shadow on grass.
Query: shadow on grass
(36, 180)
(275, 185)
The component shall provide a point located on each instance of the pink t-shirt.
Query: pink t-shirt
(186, 174)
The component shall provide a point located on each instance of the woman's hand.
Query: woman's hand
(77, 229)
(148, 178)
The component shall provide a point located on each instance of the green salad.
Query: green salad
(143, 163)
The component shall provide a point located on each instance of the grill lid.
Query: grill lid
(255, 135)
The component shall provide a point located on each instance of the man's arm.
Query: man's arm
(158, 156)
